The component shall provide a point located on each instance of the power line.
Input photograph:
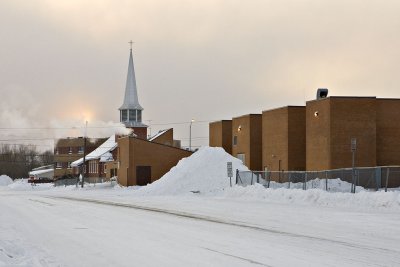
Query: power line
(95, 127)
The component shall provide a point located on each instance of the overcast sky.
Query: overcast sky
(62, 62)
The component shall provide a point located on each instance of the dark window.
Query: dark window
(124, 115)
(143, 175)
(132, 115)
(139, 115)
(235, 140)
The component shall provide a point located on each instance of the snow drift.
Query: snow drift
(5, 180)
(205, 171)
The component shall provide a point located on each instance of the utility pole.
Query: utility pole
(190, 135)
(353, 151)
(84, 155)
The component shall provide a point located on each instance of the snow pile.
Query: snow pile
(334, 185)
(365, 199)
(5, 180)
(23, 185)
(205, 171)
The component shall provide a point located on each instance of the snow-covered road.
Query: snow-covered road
(48, 229)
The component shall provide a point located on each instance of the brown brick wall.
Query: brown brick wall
(388, 132)
(220, 135)
(353, 118)
(329, 135)
(283, 138)
(248, 139)
(166, 138)
(318, 148)
(297, 138)
(275, 139)
(256, 142)
(141, 132)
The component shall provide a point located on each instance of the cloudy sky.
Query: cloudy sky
(62, 62)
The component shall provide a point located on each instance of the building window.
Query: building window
(235, 140)
(139, 115)
(242, 157)
(56, 151)
(132, 115)
(70, 150)
(80, 150)
(58, 165)
(124, 115)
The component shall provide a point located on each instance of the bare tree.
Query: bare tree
(17, 161)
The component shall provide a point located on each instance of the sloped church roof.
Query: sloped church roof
(131, 100)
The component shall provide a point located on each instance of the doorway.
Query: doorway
(143, 175)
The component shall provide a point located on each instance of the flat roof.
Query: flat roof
(290, 106)
(251, 114)
(219, 121)
(329, 97)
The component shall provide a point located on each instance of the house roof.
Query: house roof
(102, 152)
(131, 100)
(42, 171)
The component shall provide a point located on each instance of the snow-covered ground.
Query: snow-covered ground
(167, 225)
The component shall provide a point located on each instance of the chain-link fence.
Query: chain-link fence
(345, 180)
(75, 180)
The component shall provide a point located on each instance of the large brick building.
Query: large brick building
(318, 136)
(332, 122)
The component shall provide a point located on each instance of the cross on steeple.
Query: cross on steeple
(131, 43)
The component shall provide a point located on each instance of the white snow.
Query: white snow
(205, 171)
(164, 224)
(5, 180)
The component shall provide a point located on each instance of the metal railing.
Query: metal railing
(376, 178)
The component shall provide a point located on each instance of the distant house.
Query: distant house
(95, 161)
(68, 150)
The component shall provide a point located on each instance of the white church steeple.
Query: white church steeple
(131, 110)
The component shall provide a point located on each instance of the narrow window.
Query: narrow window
(132, 115)
(235, 140)
(124, 115)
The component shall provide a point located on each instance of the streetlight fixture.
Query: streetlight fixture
(190, 135)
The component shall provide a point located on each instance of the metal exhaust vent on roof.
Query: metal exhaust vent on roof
(322, 93)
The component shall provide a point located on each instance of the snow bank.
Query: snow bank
(5, 180)
(205, 171)
(365, 199)
(334, 185)
(23, 185)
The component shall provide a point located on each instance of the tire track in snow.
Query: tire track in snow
(236, 257)
(224, 222)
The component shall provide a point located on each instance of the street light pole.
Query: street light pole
(190, 135)
(84, 155)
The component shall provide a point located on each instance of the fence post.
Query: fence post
(305, 182)
(268, 178)
(290, 179)
(237, 175)
(326, 180)
(387, 179)
(252, 174)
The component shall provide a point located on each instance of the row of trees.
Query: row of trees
(17, 160)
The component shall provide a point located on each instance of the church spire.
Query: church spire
(131, 110)
(131, 100)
